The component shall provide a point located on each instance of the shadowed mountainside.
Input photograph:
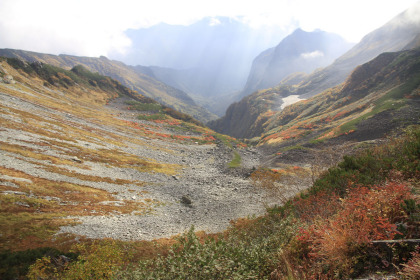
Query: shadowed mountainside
(301, 51)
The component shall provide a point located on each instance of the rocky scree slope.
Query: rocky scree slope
(76, 158)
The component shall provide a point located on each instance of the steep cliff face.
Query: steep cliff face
(246, 118)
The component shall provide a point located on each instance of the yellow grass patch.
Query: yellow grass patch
(34, 211)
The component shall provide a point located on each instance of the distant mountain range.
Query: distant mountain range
(209, 58)
(252, 115)
(127, 75)
(205, 62)
(299, 52)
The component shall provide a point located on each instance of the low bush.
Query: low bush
(14, 265)
(151, 107)
(99, 260)
(152, 117)
(236, 161)
(411, 270)
(246, 253)
(374, 166)
(324, 233)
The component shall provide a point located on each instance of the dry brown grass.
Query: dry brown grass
(61, 121)
(38, 214)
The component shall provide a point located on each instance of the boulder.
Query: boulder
(76, 159)
(8, 79)
(186, 200)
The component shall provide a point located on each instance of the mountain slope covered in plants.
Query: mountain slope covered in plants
(378, 96)
(125, 74)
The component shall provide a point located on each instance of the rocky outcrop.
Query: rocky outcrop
(8, 79)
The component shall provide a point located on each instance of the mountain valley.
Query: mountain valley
(79, 150)
(247, 118)
(115, 171)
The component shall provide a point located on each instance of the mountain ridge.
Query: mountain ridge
(300, 51)
(261, 116)
(379, 96)
(142, 83)
(402, 32)
(395, 35)
(209, 59)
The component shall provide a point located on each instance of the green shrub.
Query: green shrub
(236, 161)
(100, 260)
(152, 117)
(237, 257)
(16, 264)
(374, 166)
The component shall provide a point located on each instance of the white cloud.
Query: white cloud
(214, 22)
(96, 27)
(313, 54)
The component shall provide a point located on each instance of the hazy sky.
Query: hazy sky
(96, 27)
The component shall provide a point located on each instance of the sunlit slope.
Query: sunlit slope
(378, 96)
(69, 148)
(400, 33)
(127, 75)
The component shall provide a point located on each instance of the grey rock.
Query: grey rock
(186, 200)
(8, 79)
(76, 159)
(15, 193)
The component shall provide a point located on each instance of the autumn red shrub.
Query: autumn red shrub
(363, 216)
(411, 270)
(321, 206)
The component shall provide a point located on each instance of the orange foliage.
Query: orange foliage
(364, 215)
(320, 206)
